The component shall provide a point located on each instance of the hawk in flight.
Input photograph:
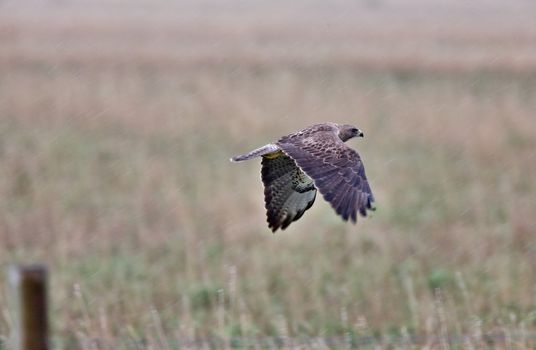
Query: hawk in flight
(316, 158)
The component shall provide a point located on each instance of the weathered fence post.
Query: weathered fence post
(30, 321)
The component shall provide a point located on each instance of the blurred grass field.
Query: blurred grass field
(116, 174)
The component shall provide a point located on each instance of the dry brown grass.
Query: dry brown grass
(115, 172)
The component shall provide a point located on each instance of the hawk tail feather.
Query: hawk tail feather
(261, 151)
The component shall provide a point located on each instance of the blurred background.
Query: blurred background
(118, 118)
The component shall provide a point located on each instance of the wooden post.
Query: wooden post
(30, 321)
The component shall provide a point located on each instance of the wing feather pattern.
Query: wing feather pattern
(288, 192)
(336, 169)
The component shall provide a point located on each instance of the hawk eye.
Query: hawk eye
(354, 130)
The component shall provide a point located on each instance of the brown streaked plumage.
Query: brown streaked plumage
(295, 166)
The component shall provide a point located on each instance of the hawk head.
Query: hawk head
(347, 132)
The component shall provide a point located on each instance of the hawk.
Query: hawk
(315, 158)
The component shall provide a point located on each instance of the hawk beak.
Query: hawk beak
(360, 133)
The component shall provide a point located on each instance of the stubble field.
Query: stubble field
(114, 171)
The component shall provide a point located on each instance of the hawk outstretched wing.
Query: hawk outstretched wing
(288, 192)
(336, 169)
